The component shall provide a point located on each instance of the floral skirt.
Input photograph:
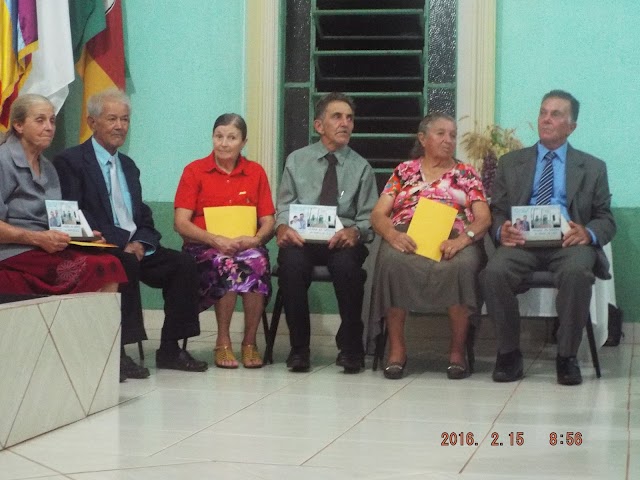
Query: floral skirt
(69, 271)
(246, 272)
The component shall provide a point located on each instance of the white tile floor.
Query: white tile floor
(272, 424)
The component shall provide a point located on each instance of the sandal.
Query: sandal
(394, 370)
(457, 372)
(223, 353)
(251, 357)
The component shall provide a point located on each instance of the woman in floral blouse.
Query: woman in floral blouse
(404, 281)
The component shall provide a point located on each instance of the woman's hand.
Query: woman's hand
(245, 242)
(51, 241)
(401, 241)
(226, 246)
(450, 247)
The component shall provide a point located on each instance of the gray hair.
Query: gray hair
(20, 110)
(96, 102)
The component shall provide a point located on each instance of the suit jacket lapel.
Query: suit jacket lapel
(93, 169)
(574, 172)
(526, 170)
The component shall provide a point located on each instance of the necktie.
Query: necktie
(329, 192)
(545, 190)
(120, 208)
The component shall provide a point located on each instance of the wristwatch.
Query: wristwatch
(471, 235)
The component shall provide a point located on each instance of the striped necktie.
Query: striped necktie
(545, 188)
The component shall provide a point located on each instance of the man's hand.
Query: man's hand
(97, 237)
(576, 235)
(345, 238)
(51, 241)
(510, 236)
(287, 237)
(136, 248)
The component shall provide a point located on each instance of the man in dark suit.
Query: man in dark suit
(106, 185)
(550, 172)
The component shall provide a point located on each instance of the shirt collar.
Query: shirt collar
(561, 152)
(240, 166)
(341, 154)
(17, 152)
(102, 154)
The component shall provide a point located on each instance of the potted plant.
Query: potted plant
(486, 147)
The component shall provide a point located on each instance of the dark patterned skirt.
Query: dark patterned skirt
(246, 272)
(69, 271)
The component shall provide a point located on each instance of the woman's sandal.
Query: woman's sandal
(222, 354)
(394, 370)
(457, 372)
(251, 357)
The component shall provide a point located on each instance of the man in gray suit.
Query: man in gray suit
(550, 172)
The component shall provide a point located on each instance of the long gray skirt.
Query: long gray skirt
(419, 284)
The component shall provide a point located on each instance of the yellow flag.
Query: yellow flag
(430, 226)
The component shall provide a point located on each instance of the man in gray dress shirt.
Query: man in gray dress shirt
(303, 183)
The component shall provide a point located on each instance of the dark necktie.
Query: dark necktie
(545, 190)
(329, 192)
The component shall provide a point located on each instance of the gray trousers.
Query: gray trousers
(573, 277)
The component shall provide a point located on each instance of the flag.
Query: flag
(52, 64)
(87, 20)
(101, 64)
(18, 40)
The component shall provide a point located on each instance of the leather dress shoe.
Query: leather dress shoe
(352, 362)
(130, 369)
(182, 360)
(509, 367)
(340, 362)
(299, 361)
(568, 371)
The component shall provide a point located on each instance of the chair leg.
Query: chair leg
(265, 325)
(470, 344)
(593, 347)
(140, 351)
(273, 328)
(381, 344)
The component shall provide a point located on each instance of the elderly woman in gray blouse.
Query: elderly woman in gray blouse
(33, 259)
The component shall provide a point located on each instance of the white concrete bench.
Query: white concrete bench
(59, 362)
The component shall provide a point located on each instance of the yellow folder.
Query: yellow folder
(430, 226)
(231, 222)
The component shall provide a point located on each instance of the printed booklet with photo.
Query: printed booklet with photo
(314, 223)
(64, 216)
(541, 225)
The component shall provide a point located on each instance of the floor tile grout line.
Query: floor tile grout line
(358, 422)
(232, 414)
(492, 427)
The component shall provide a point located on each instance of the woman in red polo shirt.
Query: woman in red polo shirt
(228, 266)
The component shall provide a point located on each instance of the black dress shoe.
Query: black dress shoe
(568, 371)
(182, 360)
(130, 369)
(352, 362)
(340, 362)
(299, 361)
(509, 367)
